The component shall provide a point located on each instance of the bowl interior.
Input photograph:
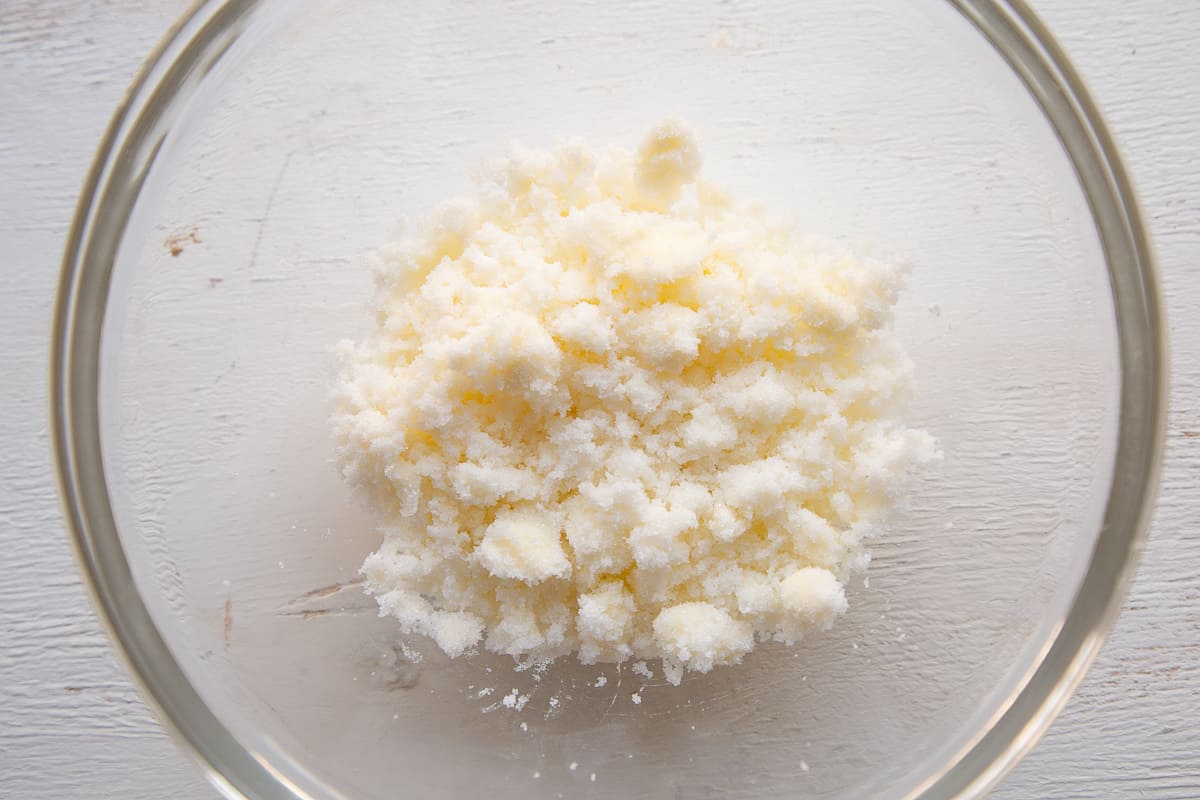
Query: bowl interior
(892, 126)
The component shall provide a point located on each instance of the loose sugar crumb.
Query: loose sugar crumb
(514, 700)
(611, 411)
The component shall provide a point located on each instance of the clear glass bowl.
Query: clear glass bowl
(218, 254)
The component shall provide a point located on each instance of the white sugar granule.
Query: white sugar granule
(610, 411)
(514, 700)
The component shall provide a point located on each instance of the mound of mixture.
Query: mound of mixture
(607, 410)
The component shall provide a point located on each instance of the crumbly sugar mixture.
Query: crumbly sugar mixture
(608, 410)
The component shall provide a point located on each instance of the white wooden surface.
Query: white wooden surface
(72, 726)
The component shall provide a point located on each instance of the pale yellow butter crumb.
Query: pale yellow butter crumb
(609, 411)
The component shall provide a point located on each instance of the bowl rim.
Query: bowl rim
(206, 31)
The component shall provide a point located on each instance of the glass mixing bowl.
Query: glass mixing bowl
(218, 254)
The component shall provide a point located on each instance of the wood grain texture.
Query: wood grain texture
(1130, 731)
(71, 725)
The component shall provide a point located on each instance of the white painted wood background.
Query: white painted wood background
(72, 726)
